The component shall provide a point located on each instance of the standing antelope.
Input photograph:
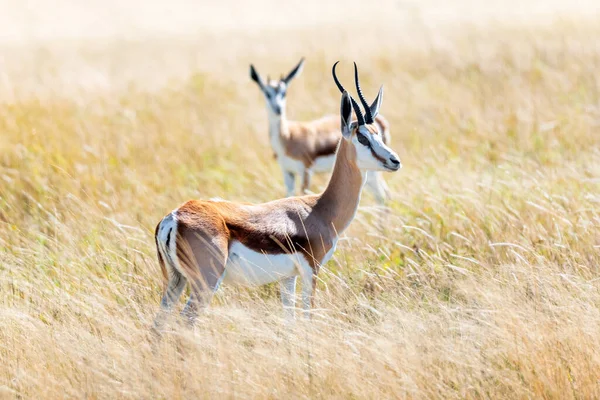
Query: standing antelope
(210, 242)
(305, 147)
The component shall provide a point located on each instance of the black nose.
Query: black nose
(394, 161)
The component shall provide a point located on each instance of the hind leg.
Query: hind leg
(173, 291)
(201, 295)
(203, 258)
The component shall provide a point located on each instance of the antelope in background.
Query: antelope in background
(207, 242)
(305, 147)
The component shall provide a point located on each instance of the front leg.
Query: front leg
(289, 179)
(306, 177)
(309, 282)
(287, 288)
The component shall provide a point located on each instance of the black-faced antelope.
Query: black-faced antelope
(302, 148)
(210, 242)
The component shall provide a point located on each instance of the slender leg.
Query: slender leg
(203, 256)
(289, 179)
(172, 294)
(378, 187)
(201, 295)
(309, 282)
(306, 177)
(287, 288)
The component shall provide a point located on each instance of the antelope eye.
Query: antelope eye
(362, 139)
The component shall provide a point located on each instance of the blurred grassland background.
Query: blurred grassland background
(484, 282)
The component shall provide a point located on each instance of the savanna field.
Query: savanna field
(481, 280)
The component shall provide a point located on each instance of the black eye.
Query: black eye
(362, 139)
(268, 95)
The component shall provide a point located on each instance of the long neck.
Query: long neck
(339, 202)
(278, 124)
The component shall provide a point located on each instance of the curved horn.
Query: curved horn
(337, 82)
(368, 113)
(357, 111)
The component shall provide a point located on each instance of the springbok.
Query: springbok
(212, 242)
(302, 148)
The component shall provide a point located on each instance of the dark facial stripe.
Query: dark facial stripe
(375, 155)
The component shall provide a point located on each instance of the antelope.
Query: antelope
(207, 243)
(302, 148)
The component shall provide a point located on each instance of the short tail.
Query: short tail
(164, 237)
(161, 258)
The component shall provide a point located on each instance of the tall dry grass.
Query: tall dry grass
(483, 284)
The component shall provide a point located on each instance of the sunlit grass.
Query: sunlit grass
(482, 283)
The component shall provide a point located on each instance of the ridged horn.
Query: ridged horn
(362, 97)
(355, 106)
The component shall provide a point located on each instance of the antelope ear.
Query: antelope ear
(346, 116)
(297, 69)
(377, 103)
(255, 77)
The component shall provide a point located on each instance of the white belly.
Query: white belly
(290, 165)
(250, 268)
(287, 164)
(324, 164)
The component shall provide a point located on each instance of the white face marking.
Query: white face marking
(364, 153)
(275, 96)
(247, 267)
